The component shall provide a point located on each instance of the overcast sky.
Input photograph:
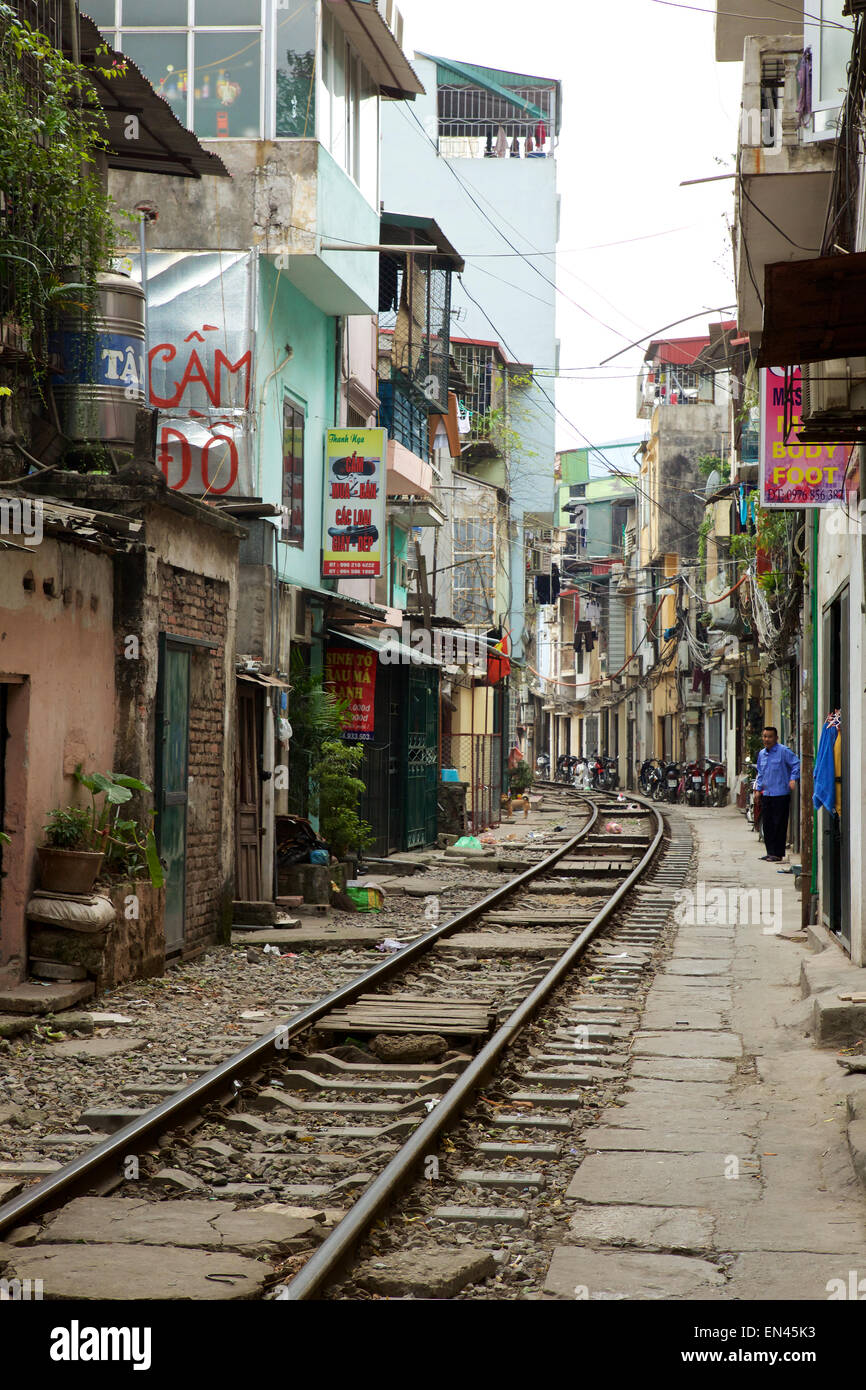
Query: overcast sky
(644, 106)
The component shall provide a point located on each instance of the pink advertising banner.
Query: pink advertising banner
(795, 475)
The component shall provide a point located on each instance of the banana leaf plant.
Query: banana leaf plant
(127, 845)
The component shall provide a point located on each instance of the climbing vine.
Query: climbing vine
(56, 220)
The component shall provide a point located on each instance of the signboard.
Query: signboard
(351, 674)
(794, 475)
(354, 507)
(201, 369)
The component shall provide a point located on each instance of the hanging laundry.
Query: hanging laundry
(541, 135)
(501, 143)
(530, 144)
(488, 148)
(515, 148)
(554, 583)
(696, 679)
(824, 783)
(542, 588)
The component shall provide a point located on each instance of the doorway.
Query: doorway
(835, 867)
(248, 787)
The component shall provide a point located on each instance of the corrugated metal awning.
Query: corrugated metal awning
(154, 141)
(382, 55)
(814, 310)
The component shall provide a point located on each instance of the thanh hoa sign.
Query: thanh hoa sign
(353, 545)
(794, 475)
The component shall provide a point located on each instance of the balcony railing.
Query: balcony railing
(404, 418)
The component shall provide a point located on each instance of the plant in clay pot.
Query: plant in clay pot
(80, 839)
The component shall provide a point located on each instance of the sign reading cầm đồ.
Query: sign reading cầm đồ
(794, 475)
(353, 545)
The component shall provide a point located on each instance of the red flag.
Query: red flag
(498, 666)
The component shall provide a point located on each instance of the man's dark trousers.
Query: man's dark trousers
(775, 821)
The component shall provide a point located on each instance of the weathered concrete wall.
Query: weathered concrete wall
(56, 631)
(684, 433)
(270, 201)
(285, 198)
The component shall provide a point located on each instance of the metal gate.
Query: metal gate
(420, 758)
(478, 760)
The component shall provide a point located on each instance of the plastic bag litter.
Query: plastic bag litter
(390, 944)
(612, 827)
(468, 842)
(488, 839)
(271, 950)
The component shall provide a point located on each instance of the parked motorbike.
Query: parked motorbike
(754, 818)
(596, 771)
(542, 767)
(648, 775)
(716, 783)
(610, 775)
(672, 779)
(695, 787)
(565, 768)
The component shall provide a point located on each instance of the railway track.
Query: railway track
(331, 1136)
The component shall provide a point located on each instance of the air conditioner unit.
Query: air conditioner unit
(547, 533)
(834, 392)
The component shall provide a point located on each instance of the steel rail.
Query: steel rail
(337, 1248)
(222, 1081)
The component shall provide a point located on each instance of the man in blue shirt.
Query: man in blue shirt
(778, 775)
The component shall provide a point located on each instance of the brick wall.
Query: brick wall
(191, 605)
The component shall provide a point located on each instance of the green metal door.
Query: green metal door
(421, 757)
(173, 768)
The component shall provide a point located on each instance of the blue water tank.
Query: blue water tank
(104, 374)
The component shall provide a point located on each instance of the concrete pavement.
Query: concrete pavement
(725, 1171)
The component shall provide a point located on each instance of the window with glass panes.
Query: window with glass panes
(248, 69)
(292, 529)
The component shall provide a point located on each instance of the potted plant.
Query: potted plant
(79, 839)
(69, 861)
(338, 791)
(520, 779)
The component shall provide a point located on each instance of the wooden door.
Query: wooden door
(248, 818)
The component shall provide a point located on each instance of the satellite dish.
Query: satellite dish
(713, 481)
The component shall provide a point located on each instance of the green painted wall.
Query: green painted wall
(286, 317)
(401, 551)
